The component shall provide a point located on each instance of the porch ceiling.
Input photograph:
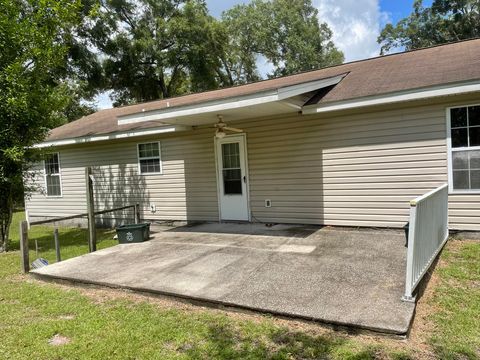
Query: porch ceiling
(232, 115)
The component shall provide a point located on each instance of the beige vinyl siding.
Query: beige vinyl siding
(464, 212)
(347, 170)
(355, 170)
(118, 182)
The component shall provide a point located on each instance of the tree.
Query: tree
(444, 21)
(157, 49)
(287, 33)
(33, 35)
(78, 101)
(81, 71)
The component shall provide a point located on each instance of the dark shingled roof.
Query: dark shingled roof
(437, 65)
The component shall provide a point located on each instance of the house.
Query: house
(347, 145)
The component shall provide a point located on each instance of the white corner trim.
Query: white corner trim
(232, 103)
(449, 151)
(395, 97)
(118, 135)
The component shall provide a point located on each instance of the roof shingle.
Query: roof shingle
(433, 66)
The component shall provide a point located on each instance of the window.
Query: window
(465, 148)
(149, 161)
(53, 182)
(232, 172)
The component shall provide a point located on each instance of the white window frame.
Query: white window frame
(159, 157)
(59, 176)
(451, 149)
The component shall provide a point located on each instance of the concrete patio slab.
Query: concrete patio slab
(340, 276)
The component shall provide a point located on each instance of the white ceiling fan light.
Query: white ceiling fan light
(220, 134)
(221, 127)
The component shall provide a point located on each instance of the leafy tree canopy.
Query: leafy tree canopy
(444, 21)
(33, 34)
(287, 33)
(157, 49)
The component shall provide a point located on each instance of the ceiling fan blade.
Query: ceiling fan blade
(233, 129)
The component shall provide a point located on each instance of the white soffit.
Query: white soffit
(238, 102)
(118, 135)
(415, 94)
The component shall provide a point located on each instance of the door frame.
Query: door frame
(243, 136)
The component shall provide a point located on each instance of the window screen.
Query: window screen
(52, 175)
(149, 158)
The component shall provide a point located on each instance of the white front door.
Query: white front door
(232, 178)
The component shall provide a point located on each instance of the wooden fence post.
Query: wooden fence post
(92, 234)
(137, 213)
(57, 244)
(25, 261)
(27, 218)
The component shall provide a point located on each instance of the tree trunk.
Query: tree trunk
(163, 87)
(6, 214)
(7, 229)
(228, 81)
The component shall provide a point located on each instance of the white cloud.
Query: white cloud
(356, 25)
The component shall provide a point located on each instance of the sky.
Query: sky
(356, 25)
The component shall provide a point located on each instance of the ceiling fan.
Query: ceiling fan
(221, 127)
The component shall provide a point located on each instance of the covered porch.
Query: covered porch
(340, 276)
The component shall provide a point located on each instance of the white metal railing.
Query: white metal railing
(427, 233)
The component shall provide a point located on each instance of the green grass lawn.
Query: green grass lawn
(114, 324)
(457, 298)
(73, 240)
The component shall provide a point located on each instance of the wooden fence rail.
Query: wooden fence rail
(24, 225)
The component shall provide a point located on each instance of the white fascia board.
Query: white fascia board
(119, 135)
(294, 90)
(166, 113)
(417, 94)
(230, 103)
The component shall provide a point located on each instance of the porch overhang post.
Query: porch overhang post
(136, 209)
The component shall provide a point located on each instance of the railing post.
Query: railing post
(25, 260)
(136, 209)
(92, 235)
(57, 244)
(408, 296)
